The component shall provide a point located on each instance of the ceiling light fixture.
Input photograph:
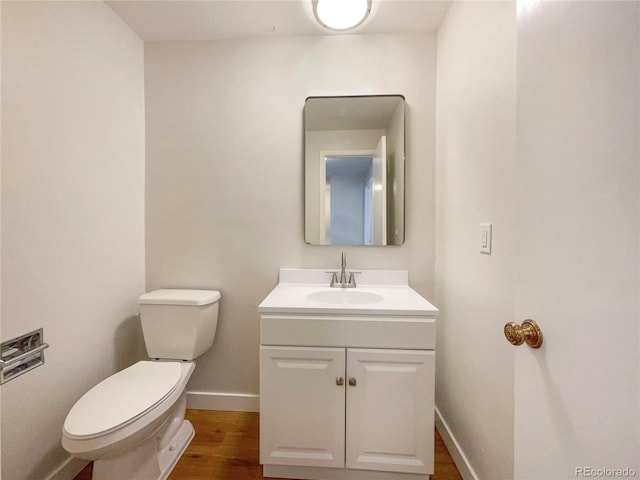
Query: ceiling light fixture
(341, 15)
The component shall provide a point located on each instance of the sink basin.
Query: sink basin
(345, 297)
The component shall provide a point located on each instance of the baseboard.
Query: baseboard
(235, 402)
(459, 458)
(69, 469)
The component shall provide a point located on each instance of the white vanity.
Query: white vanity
(346, 378)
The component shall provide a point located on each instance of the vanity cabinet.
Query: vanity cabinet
(347, 390)
(368, 409)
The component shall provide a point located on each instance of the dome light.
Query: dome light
(341, 15)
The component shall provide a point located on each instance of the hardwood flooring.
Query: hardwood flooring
(226, 447)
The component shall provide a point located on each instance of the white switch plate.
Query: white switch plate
(485, 238)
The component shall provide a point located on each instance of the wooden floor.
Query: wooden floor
(226, 447)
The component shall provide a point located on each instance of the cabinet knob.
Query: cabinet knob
(339, 381)
(352, 382)
(529, 332)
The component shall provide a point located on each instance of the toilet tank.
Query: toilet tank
(179, 324)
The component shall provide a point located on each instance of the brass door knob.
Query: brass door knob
(339, 381)
(353, 382)
(529, 332)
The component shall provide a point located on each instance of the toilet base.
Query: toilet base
(146, 462)
(169, 456)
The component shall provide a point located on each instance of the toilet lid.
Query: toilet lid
(122, 397)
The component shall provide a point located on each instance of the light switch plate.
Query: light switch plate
(485, 238)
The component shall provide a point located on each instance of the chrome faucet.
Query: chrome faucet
(347, 279)
(343, 267)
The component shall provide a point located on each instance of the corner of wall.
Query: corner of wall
(475, 152)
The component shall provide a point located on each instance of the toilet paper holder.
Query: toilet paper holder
(21, 355)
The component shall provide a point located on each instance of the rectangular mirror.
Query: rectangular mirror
(354, 170)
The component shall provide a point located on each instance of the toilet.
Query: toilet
(132, 424)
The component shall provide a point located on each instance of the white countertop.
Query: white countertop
(291, 295)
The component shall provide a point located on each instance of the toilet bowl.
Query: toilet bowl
(132, 424)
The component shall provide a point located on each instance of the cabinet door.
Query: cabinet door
(302, 406)
(390, 410)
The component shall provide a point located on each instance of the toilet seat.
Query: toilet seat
(121, 434)
(122, 399)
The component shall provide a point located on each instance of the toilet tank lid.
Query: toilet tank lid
(170, 296)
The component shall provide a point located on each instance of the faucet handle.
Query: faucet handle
(352, 278)
(334, 278)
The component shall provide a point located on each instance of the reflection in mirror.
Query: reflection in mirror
(354, 170)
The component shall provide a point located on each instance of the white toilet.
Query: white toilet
(132, 424)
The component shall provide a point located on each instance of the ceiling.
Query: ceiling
(162, 20)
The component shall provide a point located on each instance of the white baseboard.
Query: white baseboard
(235, 402)
(459, 458)
(69, 469)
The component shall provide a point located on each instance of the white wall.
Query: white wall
(564, 202)
(475, 167)
(225, 177)
(72, 212)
